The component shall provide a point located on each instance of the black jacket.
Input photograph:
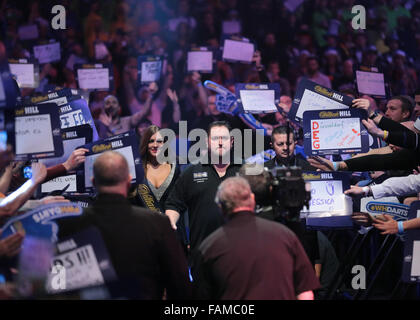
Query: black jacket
(142, 246)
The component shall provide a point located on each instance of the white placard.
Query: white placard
(258, 100)
(47, 53)
(127, 152)
(33, 134)
(336, 133)
(28, 32)
(25, 74)
(93, 78)
(200, 61)
(326, 196)
(370, 83)
(81, 269)
(238, 51)
(60, 183)
(415, 264)
(314, 101)
(68, 146)
(72, 119)
(231, 27)
(150, 71)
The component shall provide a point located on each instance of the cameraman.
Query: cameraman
(319, 250)
(262, 189)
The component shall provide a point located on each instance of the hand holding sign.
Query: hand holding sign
(372, 128)
(361, 104)
(39, 172)
(53, 199)
(76, 158)
(355, 190)
(388, 225)
(321, 163)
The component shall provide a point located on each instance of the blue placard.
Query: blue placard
(411, 262)
(149, 68)
(34, 131)
(96, 76)
(335, 132)
(77, 113)
(258, 97)
(311, 96)
(40, 221)
(126, 144)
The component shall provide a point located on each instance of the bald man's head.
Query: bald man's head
(110, 169)
(235, 193)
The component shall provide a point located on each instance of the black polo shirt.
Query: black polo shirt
(195, 190)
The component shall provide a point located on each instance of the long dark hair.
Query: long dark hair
(145, 137)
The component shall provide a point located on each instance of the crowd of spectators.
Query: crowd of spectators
(314, 41)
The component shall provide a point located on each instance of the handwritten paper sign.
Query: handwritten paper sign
(60, 183)
(47, 53)
(370, 83)
(93, 78)
(35, 132)
(240, 51)
(258, 98)
(85, 259)
(201, 61)
(25, 74)
(312, 96)
(327, 198)
(314, 101)
(150, 68)
(334, 132)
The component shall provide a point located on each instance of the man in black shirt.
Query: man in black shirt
(279, 143)
(196, 187)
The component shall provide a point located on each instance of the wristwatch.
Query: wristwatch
(374, 115)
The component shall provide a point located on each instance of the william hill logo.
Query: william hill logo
(328, 114)
(390, 208)
(327, 93)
